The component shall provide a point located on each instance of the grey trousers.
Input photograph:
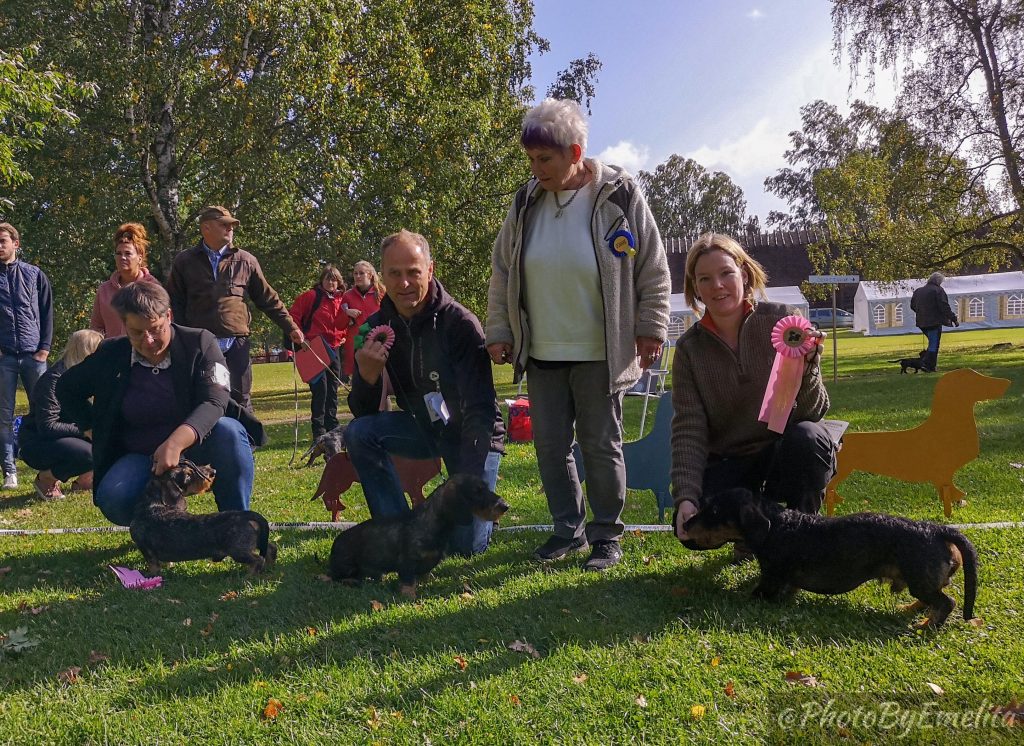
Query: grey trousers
(577, 394)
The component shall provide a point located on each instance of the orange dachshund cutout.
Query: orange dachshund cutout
(931, 452)
(339, 475)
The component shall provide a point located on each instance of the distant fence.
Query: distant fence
(681, 244)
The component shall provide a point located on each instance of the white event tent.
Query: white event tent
(980, 301)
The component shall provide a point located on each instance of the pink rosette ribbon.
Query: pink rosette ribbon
(383, 334)
(792, 340)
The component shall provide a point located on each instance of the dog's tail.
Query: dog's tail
(268, 550)
(894, 361)
(970, 556)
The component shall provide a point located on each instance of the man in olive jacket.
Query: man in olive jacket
(209, 285)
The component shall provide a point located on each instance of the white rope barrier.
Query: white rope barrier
(646, 528)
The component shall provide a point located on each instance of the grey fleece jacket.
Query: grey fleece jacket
(717, 394)
(634, 290)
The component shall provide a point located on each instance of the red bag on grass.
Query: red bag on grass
(520, 426)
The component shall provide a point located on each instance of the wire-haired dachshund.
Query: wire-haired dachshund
(165, 531)
(413, 543)
(835, 555)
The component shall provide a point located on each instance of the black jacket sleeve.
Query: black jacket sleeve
(209, 386)
(46, 409)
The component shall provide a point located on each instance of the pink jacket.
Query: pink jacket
(104, 319)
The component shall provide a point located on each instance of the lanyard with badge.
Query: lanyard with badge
(436, 406)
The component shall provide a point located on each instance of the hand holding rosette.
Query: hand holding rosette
(383, 334)
(793, 337)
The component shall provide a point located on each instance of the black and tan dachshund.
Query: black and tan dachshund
(915, 363)
(165, 531)
(835, 555)
(414, 543)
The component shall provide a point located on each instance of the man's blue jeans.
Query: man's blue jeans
(934, 335)
(11, 368)
(226, 449)
(371, 440)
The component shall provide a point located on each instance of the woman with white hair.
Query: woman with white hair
(931, 304)
(579, 302)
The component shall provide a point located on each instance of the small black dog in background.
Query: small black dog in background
(834, 555)
(414, 543)
(165, 531)
(917, 363)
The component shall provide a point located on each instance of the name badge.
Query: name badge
(436, 407)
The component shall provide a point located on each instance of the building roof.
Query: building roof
(994, 282)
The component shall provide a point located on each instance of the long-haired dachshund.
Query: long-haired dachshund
(165, 531)
(835, 555)
(414, 543)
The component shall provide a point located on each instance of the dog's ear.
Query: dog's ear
(754, 523)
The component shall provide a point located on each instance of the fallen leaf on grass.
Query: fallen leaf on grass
(804, 679)
(697, 712)
(580, 679)
(460, 661)
(311, 631)
(69, 675)
(649, 559)
(935, 688)
(187, 622)
(641, 700)
(522, 646)
(208, 629)
(24, 608)
(1011, 714)
(374, 721)
(4, 571)
(16, 640)
(715, 661)
(273, 709)
(466, 596)
(637, 533)
(730, 690)
(514, 699)
(96, 656)
(976, 622)
(229, 596)
(376, 605)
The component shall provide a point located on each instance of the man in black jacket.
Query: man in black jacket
(931, 305)
(440, 372)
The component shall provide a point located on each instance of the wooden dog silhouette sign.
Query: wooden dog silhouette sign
(339, 475)
(931, 452)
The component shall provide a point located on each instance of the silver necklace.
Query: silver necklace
(568, 202)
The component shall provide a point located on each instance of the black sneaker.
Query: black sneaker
(557, 547)
(604, 555)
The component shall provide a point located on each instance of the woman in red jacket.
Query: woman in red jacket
(319, 313)
(361, 301)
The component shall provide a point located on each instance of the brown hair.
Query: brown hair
(755, 279)
(10, 230)
(146, 299)
(330, 271)
(134, 233)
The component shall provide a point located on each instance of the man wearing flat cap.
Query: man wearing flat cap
(209, 284)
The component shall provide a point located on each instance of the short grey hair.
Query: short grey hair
(554, 123)
(936, 278)
(404, 235)
(146, 299)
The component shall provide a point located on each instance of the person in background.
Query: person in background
(130, 247)
(720, 372)
(319, 313)
(361, 301)
(579, 302)
(26, 333)
(48, 439)
(931, 304)
(209, 285)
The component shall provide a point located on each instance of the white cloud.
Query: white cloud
(624, 153)
(751, 155)
(755, 14)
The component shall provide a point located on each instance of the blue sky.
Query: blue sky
(719, 81)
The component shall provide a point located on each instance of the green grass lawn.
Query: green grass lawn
(666, 647)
